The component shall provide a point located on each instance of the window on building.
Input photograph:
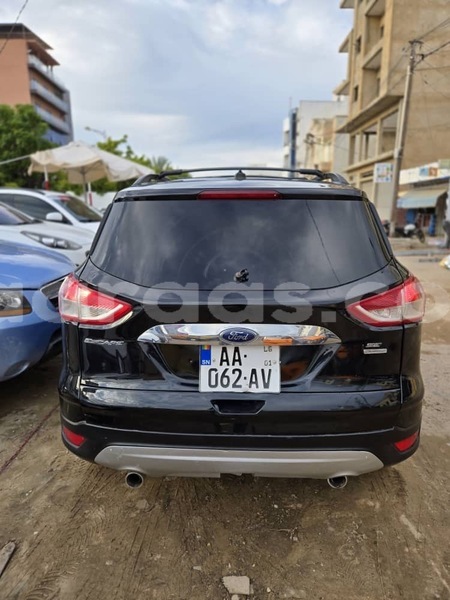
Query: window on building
(388, 132)
(358, 44)
(354, 148)
(370, 142)
(355, 93)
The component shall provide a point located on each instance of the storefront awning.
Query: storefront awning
(420, 198)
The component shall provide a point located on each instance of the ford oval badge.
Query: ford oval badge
(238, 335)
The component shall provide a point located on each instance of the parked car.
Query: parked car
(52, 206)
(242, 324)
(18, 227)
(30, 326)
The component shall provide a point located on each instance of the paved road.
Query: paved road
(80, 533)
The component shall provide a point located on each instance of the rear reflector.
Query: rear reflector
(73, 438)
(239, 195)
(400, 305)
(407, 443)
(85, 306)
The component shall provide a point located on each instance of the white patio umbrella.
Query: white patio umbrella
(84, 164)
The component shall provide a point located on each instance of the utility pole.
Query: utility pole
(292, 137)
(309, 141)
(400, 142)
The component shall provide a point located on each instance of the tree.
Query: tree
(160, 164)
(21, 133)
(102, 186)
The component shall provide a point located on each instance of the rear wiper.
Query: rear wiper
(242, 276)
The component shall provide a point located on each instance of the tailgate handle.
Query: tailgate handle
(237, 407)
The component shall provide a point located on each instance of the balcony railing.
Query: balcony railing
(343, 89)
(33, 61)
(58, 124)
(37, 88)
(345, 46)
(372, 59)
(376, 8)
(58, 138)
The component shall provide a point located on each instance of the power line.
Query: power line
(402, 128)
(421, 58)
(424, 56)
(330, 145)
(433, 88)
(432, 67)
(8, 37)
(445, 23)
(391, 70)
(427, 115)
(399, 80)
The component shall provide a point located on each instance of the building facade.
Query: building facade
(423, 195)
(310, 137)
(378, 49)
(326, 149)
(26, 76)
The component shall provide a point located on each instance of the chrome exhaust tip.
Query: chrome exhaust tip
(338, 483)
(134, 480)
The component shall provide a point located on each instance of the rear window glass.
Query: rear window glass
(312, 243)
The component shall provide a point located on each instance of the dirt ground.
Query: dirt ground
(82, 534)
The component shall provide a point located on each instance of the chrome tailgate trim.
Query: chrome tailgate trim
(265, 334)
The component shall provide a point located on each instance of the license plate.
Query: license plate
(240, 369)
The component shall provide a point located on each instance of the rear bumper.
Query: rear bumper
(315, 456)
(316, 435)
(200, 462)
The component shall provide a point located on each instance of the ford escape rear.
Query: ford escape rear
(242, 324)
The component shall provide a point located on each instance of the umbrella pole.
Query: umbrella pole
(84, 185)
(46, 179)
(89, 187)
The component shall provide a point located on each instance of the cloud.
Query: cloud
(191, 79)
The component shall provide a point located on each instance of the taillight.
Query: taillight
(76, 439)
(239, 195)
(402, 304)
(84, 306)
(406, 443)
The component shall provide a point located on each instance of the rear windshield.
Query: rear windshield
(167, 243)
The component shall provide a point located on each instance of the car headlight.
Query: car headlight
(52, 242)
(13, 303)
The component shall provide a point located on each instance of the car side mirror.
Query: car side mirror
(54, 216)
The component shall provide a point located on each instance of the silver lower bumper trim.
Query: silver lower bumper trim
(195, 462)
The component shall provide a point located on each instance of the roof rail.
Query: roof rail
(240, 174)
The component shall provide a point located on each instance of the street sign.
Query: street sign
(382, 172)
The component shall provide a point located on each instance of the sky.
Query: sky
(202, 82)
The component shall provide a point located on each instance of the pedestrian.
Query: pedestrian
(447, 222)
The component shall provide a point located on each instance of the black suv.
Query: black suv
(242, 324)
